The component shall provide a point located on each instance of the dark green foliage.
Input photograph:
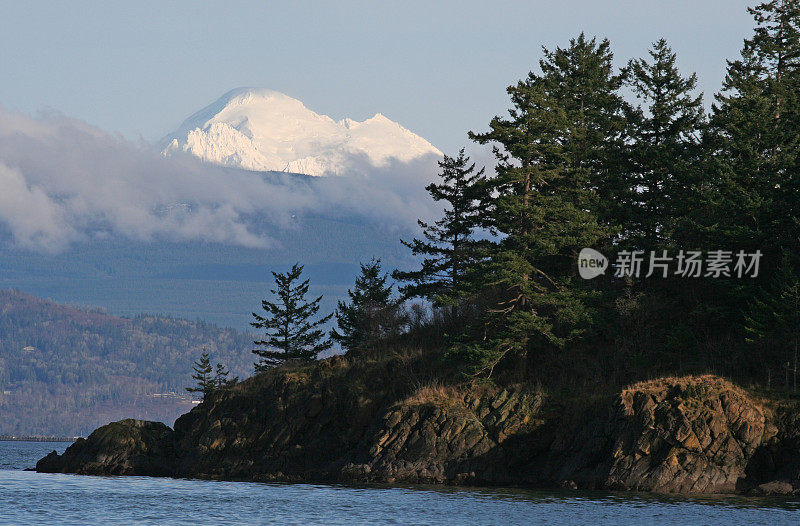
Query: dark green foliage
(449, 249)
(372, 315)
(746, 195)
(776, 43)
(582, 81)
(290, 332)
(664, 133)
(648, 322)
(554, 153)
(753, 139)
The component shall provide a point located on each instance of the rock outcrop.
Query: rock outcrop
(445, 437)
(694, 436)
(127, 447)
(332, 423)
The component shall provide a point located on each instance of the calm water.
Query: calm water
(32, 498)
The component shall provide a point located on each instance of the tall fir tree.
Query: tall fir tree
(753, 140)
(662, 163)
(372, 315)
(664, 132)
(549, 198)
(203, 375)
(290, 331)
(776, 47)
(449, 249)
(776, 43)
(748, 197)
(583, 79)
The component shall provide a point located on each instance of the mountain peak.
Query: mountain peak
(253, 92)
(266, 130)
(245, 96)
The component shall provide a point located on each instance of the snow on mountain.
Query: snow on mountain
(259, 129)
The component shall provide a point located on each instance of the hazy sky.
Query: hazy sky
(439, 68)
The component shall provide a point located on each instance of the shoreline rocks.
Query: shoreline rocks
(693, 435)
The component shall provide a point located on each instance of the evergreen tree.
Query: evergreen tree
(581, 77)
(664, 132)
(448, 248)
(776, 43)
(775, 46)
(550, 197)
(749, 196)
(372, 315)
(221, 380)
(203, 375)
(754, 141)
(290, 333)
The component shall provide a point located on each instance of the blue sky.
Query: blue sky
(439, 68)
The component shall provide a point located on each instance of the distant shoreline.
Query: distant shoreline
(34, 438)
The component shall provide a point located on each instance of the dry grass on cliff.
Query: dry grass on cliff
(435, 392)
(659, 385)
(690, 387)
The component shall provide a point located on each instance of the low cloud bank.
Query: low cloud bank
(63, 181)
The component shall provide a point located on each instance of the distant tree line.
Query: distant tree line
(66, 370)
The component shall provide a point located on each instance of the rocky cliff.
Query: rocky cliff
(333, 422)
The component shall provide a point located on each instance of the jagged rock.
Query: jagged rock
(692, 435)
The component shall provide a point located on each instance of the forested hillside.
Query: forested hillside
(66, 370)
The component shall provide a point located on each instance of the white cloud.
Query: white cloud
(63, 181)
(32, 217)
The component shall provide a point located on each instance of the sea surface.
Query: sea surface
(31, 498)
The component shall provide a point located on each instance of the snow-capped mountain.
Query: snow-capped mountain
(259, 129)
